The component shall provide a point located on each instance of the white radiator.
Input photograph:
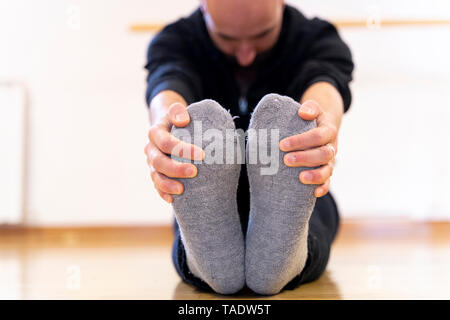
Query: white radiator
(12, 152)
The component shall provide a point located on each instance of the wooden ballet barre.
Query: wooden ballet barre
(388, 23)
(155, 27)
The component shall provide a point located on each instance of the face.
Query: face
(243, 28)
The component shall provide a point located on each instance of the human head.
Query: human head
(243, 28)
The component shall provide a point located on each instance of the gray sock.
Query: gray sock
(276, 242)
(207, 210)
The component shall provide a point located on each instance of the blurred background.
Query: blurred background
(73, 121)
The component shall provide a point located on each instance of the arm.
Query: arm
(323, 83)
(168, 108)
(316, 147)
(172, 84)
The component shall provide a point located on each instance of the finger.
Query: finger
(322, 190)
(166, 197)
(166, 185)
(170, 167)
(147, 148)
(310, 158)
(169, 144)
(316, 176)
(178, 115)
(312, 138)
(309, 110)
(333, 149)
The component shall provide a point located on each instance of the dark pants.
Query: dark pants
(323, 227)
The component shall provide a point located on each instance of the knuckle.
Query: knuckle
(162, 195)
(295, 140)
(316, 136)
(323, 153)
(179, 149)
(153, 153)
(327, 153)
(149, 149)
(152, 132)
(321, 175)
(179, 170)
(300, 157)
(318, 176)
(332, 132)
(152, 176)
(307, 157)
(157, 182)
(165, 145)
(165, 186)
(157, 162)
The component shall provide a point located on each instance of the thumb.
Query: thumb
(178, 115)
(309, 110)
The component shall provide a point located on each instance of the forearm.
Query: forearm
(161, 102)
(328, 97)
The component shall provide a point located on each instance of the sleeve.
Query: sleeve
(328, 59)
(170, 68)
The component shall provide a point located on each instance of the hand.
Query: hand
(316, 147)
(160, 145)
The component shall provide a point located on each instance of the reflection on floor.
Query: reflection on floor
(370, 260)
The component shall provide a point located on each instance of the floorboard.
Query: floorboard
(370, 260)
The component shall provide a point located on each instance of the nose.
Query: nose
(245, 54)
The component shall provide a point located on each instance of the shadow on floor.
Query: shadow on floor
(323, 288)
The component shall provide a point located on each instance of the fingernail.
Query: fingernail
(306, 109)
(190, 171)
(306, 176)
(285, 144)
(176, 189)
(291, 159)
(181, 117)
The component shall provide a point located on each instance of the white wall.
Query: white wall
(88, 121)
(395, 147)
(12, 142)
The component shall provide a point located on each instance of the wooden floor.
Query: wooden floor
(370, 260)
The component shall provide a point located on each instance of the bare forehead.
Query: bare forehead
(243, 17)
